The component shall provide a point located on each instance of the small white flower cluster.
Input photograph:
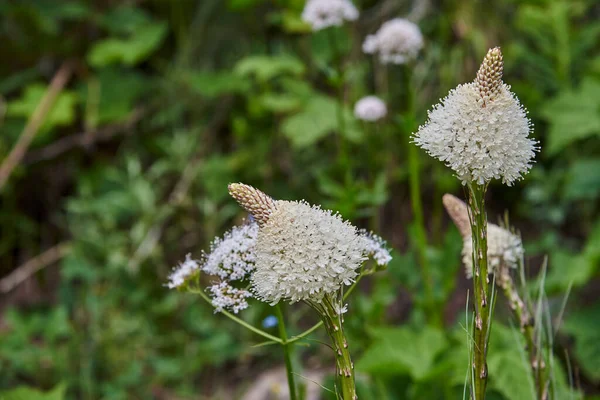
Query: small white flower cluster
(304, 252)
(505, 250)
(397, 41)
(321, 14)
(370, 108)
(231, 258)
(375, 247)
(226, 297)
(182, 272)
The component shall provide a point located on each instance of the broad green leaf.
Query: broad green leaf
(583, 326)
(279, 103)
(62, 111)
(214, 84)
(317, 120)
(398, 351)
(566, 268)
(573, 115)
(26, 393)
(510, 375)
(136, 48)
(583, 180)
(269, 67)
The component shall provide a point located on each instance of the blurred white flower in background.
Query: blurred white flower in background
(321, 14)
(398, 41)
(370, 108)
(480, 129)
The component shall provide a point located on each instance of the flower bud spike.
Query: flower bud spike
(489, 76)
(253, 200)
(457, 209)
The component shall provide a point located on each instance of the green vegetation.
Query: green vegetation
(121, 124)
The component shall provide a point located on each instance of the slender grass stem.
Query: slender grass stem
(414, 180)
(286, 352)
(481, 288)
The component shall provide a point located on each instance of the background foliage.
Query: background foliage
(167, 102)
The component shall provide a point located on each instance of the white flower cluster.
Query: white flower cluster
(480, 129)
(397, 41)
(226, 297)
(375, 247)
(183, 272)
(370, 108)
(505, 251)
(321, 14)
(304, 252)
(231, 258)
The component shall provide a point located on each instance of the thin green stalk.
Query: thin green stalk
(236, 319)
(344, 367)
(481, 288)
(286, 352)
(339, 85)
(415, 197)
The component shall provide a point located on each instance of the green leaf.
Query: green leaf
(214, 84)
(317, 120)
(26, 393)
(583, 180)
(510, 375)
(61, 113)
(567, 268)
(573, 115)
(136, 48)
(398, 351)
(265, 68)
(583, 326)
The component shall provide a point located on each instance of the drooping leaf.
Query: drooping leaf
(214, 84)
(130, 51)
(583, 326)
(573, 115)
(317, 120)
(269, 67)
(399, 351)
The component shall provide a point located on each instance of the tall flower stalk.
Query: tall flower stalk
(289, 251)
(481, 131)
(505, 253)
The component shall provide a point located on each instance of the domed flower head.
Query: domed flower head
(303, 252)
(504, 248)
(480, 129)
(321, 14)
(398, 41)
(370, 108)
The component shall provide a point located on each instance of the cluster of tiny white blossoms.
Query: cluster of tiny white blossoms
(480, 129)
(183, 272)
(504, 251)
(375, 248)
(321, 14)
(230, 259)
(397, 41)
(370, 108)
(304, 252)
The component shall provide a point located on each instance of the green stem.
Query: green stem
(339, 85)
(481, 289)
(286, 352)
(320, 323)
(523, 315)
(236, 319)
(414, 180)
(344, 367)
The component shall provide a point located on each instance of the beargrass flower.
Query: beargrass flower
(370, 108)
(303, 252)
(480, 129)
(321, 14)
(397, 41)
(504, 248)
